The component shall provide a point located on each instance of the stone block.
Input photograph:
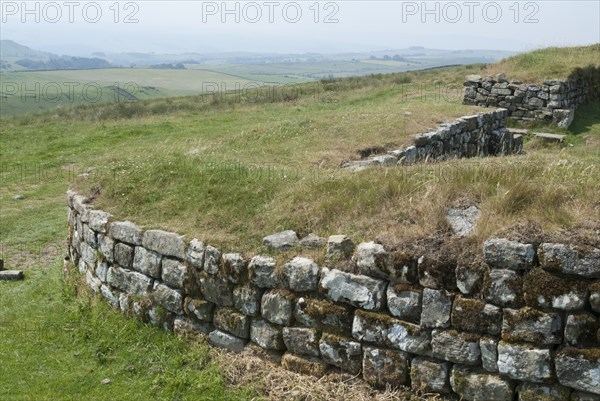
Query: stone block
(579, 369)
(165, 243)
(339, 247)
(323, 315)
(266, 335)
(489, 353)
(504, 288)
(478, 386)
(262, 271)
(199, 309)
(581, 329)
(98, 221)
(595, 297)
(195, 253)
(584, 396)
(235, 266)
(469, 279)
(341, 352)
(246, 299)
(437, 305)
(356, 290)
(452, 346)
(528, 324)
(174, 273)
(476, 316)
(277, 306)
(281, 241)
(126, 231)
(384, 367)
(429, 376)
(129, 281)
(212, 260)
(524, 362)
(501, 253)
(404, 302)
(168, 298)
(147, 262)
(568, 259)
(221, 339)
(300, 274)
(89, 236)
(216, 289)
(371, 259)
(185, 326)
(227, 319)
(301, 340)
(123, 254)
(106, 247)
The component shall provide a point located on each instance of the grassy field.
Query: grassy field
(230, 169)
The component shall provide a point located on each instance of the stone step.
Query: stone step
(549, 137)
(11, 275)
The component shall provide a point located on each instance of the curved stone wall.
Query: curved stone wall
(517, 319)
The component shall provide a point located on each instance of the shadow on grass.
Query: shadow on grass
(586, 116)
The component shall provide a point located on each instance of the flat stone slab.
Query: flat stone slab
(11, 275)
(549, 137)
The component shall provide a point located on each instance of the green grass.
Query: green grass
(57, 344)
(547, 63)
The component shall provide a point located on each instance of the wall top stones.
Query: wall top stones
(523, 320)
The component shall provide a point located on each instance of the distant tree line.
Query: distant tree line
(64, 63)
(169, 66)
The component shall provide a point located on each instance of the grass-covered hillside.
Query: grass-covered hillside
(230, 169)
(548, 63)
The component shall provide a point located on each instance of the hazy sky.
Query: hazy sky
(82, 27)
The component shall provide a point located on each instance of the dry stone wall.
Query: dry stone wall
(554, 101)
(522, 323)
(480, 135)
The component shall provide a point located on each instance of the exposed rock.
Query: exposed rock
(437, 305)
(168, 298)
(430, 376)
(371, 259)
(281, 241)
(186, 326)
(98, 221)
(266, 335)
(165, 243)
(199, 309)
(469, 279)
(11, 275)
(462, 221)
(341, 352)
(235, 266)
(489, 353)
(404, 303)
(524, 362)
(475, 386)
(568, 260)
(195, 253)
(129, 281)
(277, 306)
(455, 347)
(531, 325)
(504, 288)
(301, 274)
(262, 271)
(247, 299)
(174, 273)
(323, 315)
(229, 320)
(477, 316)
(579, 369)
(339, 247)
(126, 231)
(212, 260)
(147, 262)
(563, 117)
(383, 367)
(581, 329)
(501, 253)
(301, 340)
(216, 289)
(595, 297)
(305, 365)
(123, 255)
(221, 339)
(106, 247)
(359, 291)
(409, 338)
(546, 290)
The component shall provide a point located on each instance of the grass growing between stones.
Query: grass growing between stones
(57, 344)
